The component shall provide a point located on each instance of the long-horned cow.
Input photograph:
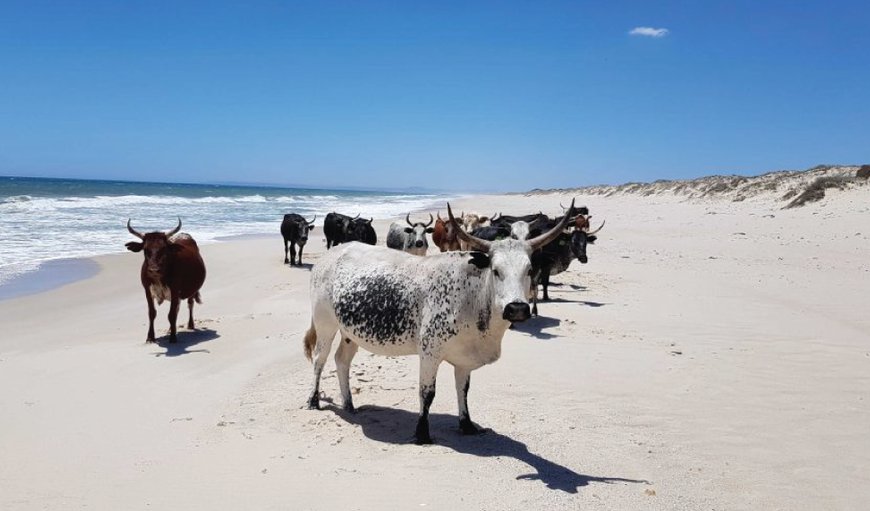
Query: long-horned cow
(411, 239)
(452, 307)
(172, 270)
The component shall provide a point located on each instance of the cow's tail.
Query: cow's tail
(198, 298)
(310, 340)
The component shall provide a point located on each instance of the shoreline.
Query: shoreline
(56, 273)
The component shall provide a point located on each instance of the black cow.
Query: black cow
(335, 228)
(295, 230)
(361, 230)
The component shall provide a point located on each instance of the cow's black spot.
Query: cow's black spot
(379, 308)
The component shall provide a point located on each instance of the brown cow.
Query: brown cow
(172, 269)
(444, 236)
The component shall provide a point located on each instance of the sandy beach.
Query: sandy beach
(712, 354)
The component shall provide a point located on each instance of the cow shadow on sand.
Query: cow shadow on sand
(303, 266)
(536, 325)
(393, 426)
(186, 339)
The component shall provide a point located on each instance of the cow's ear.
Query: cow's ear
(134, 246)
(409, 230)
(430, 230)
(479, 259)
(591, 239)
(310, 227)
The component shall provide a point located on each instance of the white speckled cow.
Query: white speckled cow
(454, 307)
(411, 239)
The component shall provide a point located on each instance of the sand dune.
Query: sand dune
(712, 355)
(786, 188)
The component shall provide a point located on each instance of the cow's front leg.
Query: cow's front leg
(428, 372)
(286, 261)
(152, 313)
(300, 254)
(173, 316)
(463, 382)
(293, 253)
(545, 284)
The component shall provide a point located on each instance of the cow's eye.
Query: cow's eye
(495, 272)
(530, 272)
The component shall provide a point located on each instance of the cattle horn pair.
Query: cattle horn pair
(139, 235)
(535, 243)
(431, 219)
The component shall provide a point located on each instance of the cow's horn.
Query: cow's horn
(357, 216)
(371, 219)
(477, 243)
(431, 219)
(408, 219)
(312, 220)
(596, 230)
(494, 217)
(173, 232)
(438, 214)
(133, 231)
(550, 235)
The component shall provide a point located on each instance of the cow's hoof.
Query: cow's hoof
(314, 403)
(286, 261)
(150, 340)
(421, 435)
(349, 408)
(423, 440)
(468, 428)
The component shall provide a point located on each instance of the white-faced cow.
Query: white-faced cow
(452, 307)
(471, 222)
(172, 270)
(411, 239)
(294, 230)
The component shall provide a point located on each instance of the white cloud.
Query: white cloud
(649, 31)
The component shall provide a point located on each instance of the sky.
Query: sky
(465, 96)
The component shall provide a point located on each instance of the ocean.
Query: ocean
(46, 220)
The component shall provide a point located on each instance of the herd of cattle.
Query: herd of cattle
(391, 301)
(551, 259)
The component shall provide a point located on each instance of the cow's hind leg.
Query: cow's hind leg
(343, 357)
(463, 382)
(428, 373)
(293, 253)
(190, 311)
(286, 261)
(318, 341)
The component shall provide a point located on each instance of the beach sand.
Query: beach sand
(711, 355)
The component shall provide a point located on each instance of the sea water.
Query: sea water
(43, 220)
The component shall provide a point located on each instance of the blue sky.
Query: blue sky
(455, 95)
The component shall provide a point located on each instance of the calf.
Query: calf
(172, 269)
(294, 230)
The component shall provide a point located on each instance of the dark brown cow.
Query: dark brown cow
(172, 269)
(444, 236)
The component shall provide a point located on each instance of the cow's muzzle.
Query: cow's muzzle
(418, 244)
(516, 311)
(583, 259)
